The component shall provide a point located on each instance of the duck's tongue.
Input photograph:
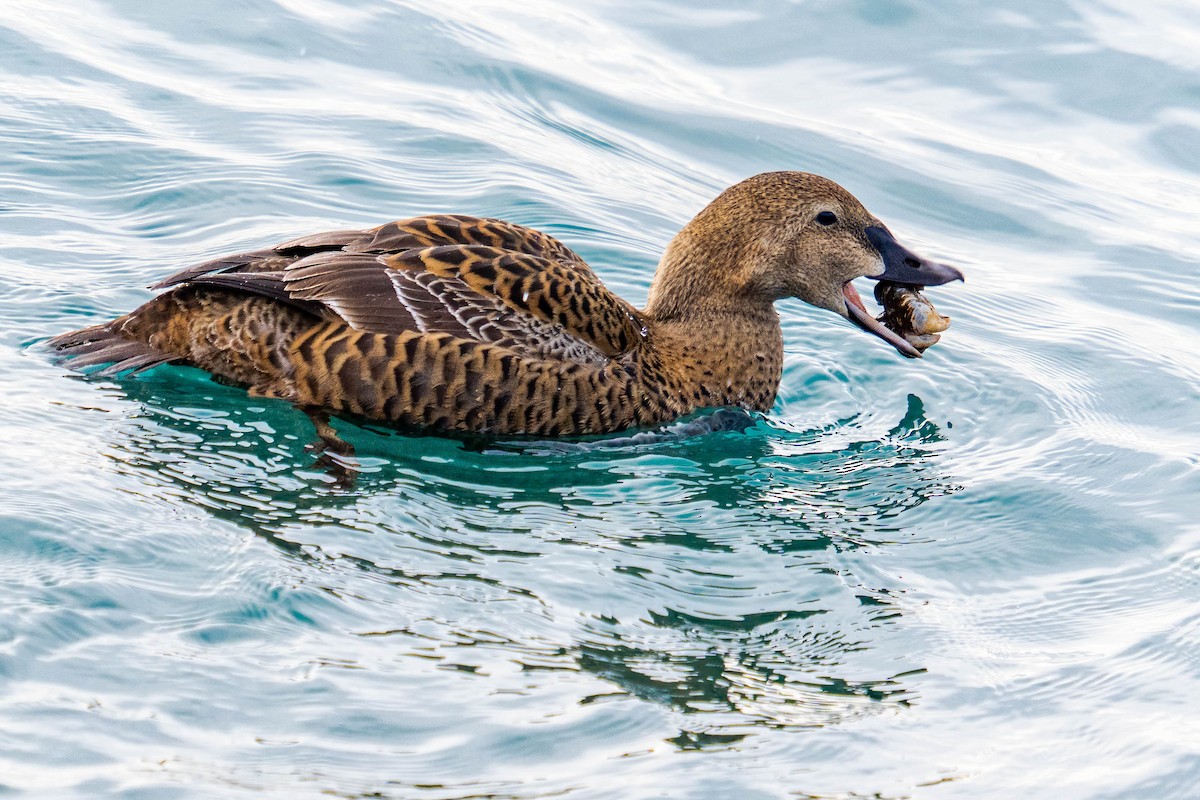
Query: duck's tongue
(860, 316)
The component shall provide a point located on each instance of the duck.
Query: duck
(451, 323)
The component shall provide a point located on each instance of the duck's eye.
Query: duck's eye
(826, 218)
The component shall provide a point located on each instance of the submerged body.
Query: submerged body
(456, 323)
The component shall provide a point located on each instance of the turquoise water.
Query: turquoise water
(972, 576)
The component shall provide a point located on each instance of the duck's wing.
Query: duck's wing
(480, 279)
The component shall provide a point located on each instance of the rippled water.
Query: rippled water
(972, 576)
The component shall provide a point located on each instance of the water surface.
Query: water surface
(973, 576)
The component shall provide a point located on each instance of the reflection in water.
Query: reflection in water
(686, 542)
(776, 669)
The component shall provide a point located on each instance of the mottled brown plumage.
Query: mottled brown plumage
(455, 323)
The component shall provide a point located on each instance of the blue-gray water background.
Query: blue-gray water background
(973, 576)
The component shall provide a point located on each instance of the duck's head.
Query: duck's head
(788, 234)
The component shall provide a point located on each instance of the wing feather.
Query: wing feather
(553, 292)
(481, 279)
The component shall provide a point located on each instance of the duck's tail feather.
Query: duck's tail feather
(105, 344)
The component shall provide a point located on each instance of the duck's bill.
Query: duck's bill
(860, 316)
(903, 266)
(909, 321)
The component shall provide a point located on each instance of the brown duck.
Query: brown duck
(456, 323)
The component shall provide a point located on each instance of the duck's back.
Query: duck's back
(444, 322)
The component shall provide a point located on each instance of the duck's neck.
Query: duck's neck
(725, 357)
(712, 318)
(708, 268)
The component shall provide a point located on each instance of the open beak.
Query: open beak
(861, 317)
(902, 266)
